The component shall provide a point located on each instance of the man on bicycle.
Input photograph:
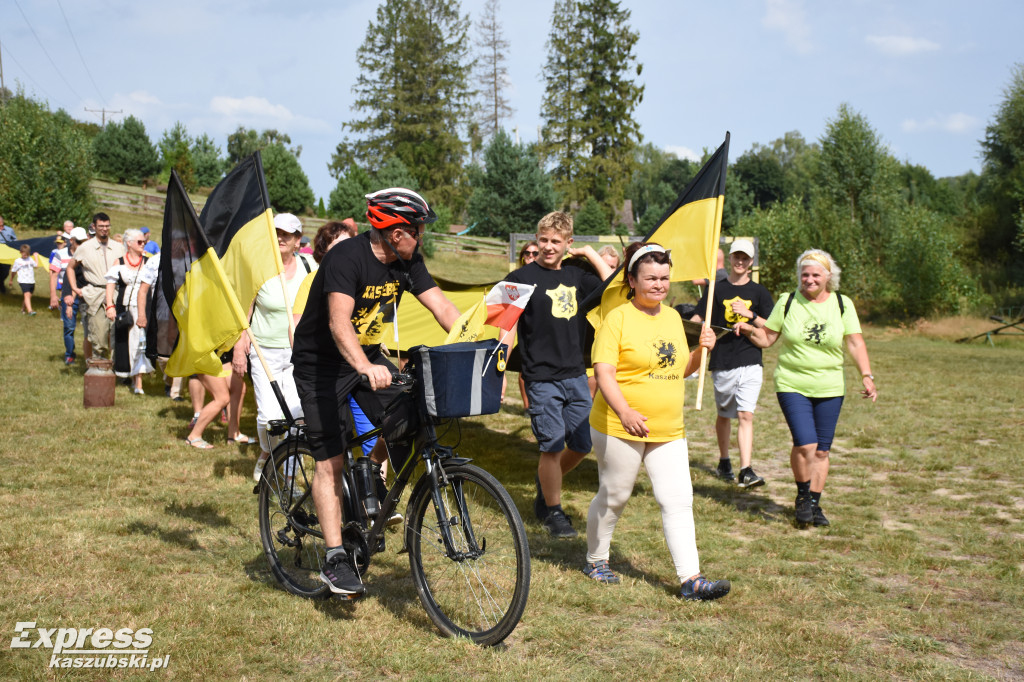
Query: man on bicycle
(338, 340)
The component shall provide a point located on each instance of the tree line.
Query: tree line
(430, 114)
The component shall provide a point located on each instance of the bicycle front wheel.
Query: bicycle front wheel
(479, 587)
(289, 528)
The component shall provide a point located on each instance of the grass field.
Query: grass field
(110, 521)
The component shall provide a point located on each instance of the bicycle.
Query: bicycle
(467, 546)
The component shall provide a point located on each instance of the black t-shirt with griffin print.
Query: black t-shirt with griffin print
(550, 334)
(351, 268)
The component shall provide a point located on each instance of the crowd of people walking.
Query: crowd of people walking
(310, 333)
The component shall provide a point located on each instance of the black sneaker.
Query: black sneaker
(540, 507)
(558, 524)
(748, 479)
(702, 589)
(804, 509)
(725, 472)
(818, 517)
(341, 577)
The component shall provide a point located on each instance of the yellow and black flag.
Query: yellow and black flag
(239, 224)
(691, 229)
(206, 317)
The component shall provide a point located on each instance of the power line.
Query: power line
(25, 71)
(43, 47)
(77, 49)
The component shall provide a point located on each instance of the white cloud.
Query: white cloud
(683, 152)
(958, 124)
(259, 112)
(250, 107)
(788, 17)
(899, 46)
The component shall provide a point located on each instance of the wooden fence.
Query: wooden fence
(484, 246)
(135, 199)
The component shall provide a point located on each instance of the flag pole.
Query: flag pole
(720, 205)
(270, 377)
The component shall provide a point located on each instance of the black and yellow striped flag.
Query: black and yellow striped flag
(691, 229)
(239, 223)
(207, 317)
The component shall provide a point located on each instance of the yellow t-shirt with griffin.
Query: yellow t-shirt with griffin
(650, 354)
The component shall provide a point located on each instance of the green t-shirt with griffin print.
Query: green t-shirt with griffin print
(811, 351)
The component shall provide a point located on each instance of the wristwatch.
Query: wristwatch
(868, 376)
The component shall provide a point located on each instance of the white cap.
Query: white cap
(288, 223)
(79, 234)
(744, 245)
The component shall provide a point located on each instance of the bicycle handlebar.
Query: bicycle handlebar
(397, 379)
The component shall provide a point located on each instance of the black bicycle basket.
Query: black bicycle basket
(460, 379)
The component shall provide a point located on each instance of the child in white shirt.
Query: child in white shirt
(25, 268)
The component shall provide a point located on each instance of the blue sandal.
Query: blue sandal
(600, 572)
(702, 589)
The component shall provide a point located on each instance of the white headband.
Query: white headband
(643, 251)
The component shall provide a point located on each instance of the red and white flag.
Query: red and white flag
(500, 307)
(506, 301)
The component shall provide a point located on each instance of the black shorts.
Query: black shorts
(27, 288)
(324, 397)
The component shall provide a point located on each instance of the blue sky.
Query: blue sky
(927, 75)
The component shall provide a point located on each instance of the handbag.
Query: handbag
(124, 321)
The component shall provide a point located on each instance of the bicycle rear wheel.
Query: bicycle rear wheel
(289, 528)
(480, 591)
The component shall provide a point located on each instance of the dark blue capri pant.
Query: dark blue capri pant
(811, 420)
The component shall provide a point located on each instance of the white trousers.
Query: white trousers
(668, 465)
(279, 360)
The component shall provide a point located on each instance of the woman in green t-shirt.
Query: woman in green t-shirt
(813, 323)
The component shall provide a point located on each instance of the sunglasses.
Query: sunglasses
(531, 253)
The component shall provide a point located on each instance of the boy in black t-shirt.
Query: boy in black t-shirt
(735, 361)
(551, 346)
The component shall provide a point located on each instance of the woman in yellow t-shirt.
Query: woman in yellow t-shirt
(641, 361)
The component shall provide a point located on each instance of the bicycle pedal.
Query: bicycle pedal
(347, 597)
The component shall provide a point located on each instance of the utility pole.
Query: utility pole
(3, 100)
(105, 112)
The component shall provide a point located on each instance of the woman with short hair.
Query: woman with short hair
(813, 323)
(123, 295)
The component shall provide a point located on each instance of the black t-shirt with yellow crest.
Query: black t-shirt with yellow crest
(550, 333)
(351, 268)
(733, 351)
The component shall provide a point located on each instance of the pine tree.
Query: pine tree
(207, 161)
(413, 91)
(561, 139)
(591, 93)
(123, 152)
(610, 133)
(512, 193)
(176, 154)
(491, 72)
(287, 184)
